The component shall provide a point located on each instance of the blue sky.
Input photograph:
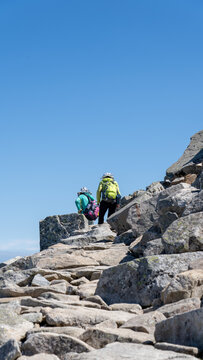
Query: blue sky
(88, 87)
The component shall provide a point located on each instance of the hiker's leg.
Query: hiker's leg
(102, 209)
(112, 209)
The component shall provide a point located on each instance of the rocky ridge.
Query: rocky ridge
(130, 288)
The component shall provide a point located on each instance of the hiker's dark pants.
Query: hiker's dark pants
(104, 206)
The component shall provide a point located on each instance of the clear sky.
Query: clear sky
(88, 87)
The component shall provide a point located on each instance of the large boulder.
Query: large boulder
(184, 329)
(51, 343)
(184, 234)
(185, 285)
(55, 228)
(142, 280)
(119, 222)
(188, 162)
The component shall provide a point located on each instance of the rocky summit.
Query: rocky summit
(131, 288)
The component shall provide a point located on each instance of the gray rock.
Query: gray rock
(41, 356)
(34, 317)
(12, 326)
(55, 228)
(39, 280)
(183, 329)
(154, 247)
(86, 316)
(118, 221)
(184, 234)
(51, 343)
(95, 234)
(121, 351)
(198, 183)
(195, 205)
(177, 348)
(140, 247)
(143, 217)
(9, 288)
(98, 300)
(172, 203)
(192, 156)
(98, 338)
(131, 308)
(126, 238)
(179, 307)
(10, 350)
(144, 322)
(142, 280)
(184, 285)
(66, 330)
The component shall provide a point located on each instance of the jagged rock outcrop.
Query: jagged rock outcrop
(191, 160)
(103, 292)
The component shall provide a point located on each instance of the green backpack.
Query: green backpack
(109, 190)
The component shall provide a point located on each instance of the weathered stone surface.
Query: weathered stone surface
(39, 280)
(98, 300)
(184, 234)
(131, 308)
(145, 322)
(87, 271)
(195, 205)
(121, 351)
(140, 247)
(198, 183)
(87, 290)
(60, 297)
(143, 217)
(51, 343)
(183, 329)
(98, 338)
(118, 221)
(10, 350)
(61, 257)
(55, 228)
(86, 316)
(96, 233)
(66, 330)
(175, 199)
(142, 280)
(33, 317)
(185, 285)
(177, 348)
(179, 307)
(12, 326)
(9, 288)
(191, 157)
(80, 281)
(126, 238)
(154, 247)
(41, 356)
(116, 254)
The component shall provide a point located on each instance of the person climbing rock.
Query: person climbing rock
(86, 204)
(108, 196)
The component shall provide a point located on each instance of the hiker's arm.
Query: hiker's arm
(99, 193)
(78, 204)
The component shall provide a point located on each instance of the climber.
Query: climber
(86, 204)
(109, 194)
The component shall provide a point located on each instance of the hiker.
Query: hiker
(109, 194)
(86, 204)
